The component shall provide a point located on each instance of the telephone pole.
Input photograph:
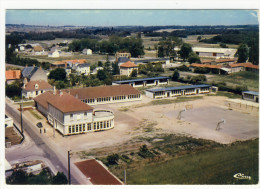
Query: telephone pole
(69, 167)
(21, 111)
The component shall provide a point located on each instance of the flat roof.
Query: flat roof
(251, 92)
(178, 88)
(141, 79)
(151, 60)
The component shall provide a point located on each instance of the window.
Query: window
(107, 124)
(95, 125)
(69, 129)
(101, 125)
(89, 126)
(80, 128)
(77, 128)
(85, 114)
(83, 127)
(71, 116)
(73, 128)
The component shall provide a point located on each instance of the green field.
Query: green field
(215, 166)
(250, 79)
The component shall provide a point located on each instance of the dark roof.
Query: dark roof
(29, 71)
(102, 91)
(84, 65)
(251, 92)
(141, 79)
(151, 60)
(123, 59)
(178, 88)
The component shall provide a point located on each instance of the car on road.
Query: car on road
(39, 124)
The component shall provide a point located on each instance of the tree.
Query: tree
(175, 75)
(185, 51)
(58, 74)
(134, 73)
(193, 58)
(112, 159)
(115, 69)
(59, 178)
(17, 177)
(101, 75)
(242, 53)
(199, 38)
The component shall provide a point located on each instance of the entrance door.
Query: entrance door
(197, 91)
(168, 94)
(156, 82)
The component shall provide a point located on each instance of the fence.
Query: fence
(242, 106)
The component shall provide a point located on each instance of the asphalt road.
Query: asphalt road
(47, 153)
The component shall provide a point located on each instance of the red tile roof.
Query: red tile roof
(63, 102)
(97, 173)
(246, 65)
(128, 65)
(79, 61)
(30, 86)
(206, 66)
(103, 91)
(68, 103)
(12, 74)
(221, 60)
(38, 48)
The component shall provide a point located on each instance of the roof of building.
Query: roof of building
(205, 66)
(30, 86)
(84, 65)
(12, 74)
(141, 79)
(221, 60)
(178, 88)
(29, 71)
(247, 65)
(68, 103)
(151, 60)
(123, 59)
(128, 65)
(251, 92)
(102, 91)
(63, 102)
(65, 62)
(37, 48)
(97, 173)
(42, 99)
(215, 50)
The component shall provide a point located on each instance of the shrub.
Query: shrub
(112, 159)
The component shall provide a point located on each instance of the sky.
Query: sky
(131, 17)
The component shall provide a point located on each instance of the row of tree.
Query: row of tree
(111, 46)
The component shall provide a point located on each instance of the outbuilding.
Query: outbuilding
(251, 96)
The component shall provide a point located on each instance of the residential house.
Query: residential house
(83, 68)
(54, 53)
(127, 68)
(87, 51)
(69, 115)
(35, 88)
(38, 50)
(122, 54)
(33, 73)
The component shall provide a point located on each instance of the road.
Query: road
(44, 148)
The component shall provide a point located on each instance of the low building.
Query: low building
(178, 91)
(127, 68)
(165, 62)
(216, 68)
(35, 88)
(83, 68)
(105, 94)
(122, 54)
(38, 50)
(215, 52)
(251, 96)
(69, 115)
(238, 67)
(87, 51)
(143, 82)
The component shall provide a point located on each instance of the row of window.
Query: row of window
(103, 99)
(134, 96)
(79, 128)
(78, 116)
(106, 99)
(248, 96)
(204, 89)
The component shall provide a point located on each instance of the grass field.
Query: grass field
(215, 166)
(250, 79)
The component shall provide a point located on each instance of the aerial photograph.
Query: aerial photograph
(131, 97)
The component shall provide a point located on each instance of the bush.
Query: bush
(112, 159)
(183, 68)
(144, 152)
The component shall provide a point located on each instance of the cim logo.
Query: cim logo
(241, 176)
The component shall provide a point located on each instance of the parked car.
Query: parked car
(39, 124)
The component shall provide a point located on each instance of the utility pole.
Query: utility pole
(69, 167)
(124, 176)
(21, 111)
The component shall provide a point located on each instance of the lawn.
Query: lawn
(250, 79)
(215, 166)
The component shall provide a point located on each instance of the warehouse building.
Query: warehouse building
(251, 96)
(178, 91)
(143, 82)
(105, 94)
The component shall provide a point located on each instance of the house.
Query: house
(54, 53)
(105, 94)
(35, 88)
(238, 67)
(178, 91)
(12, 75)
(122, 60)
(193, 66)
(83, 68)
(142, 82)
(33, 73)
(251, 96)
(69, 115)
(127, 68)
(38, 50)
(96, 70)
(215, 52)
(65, 63)
(87, 51)
(122, 54)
